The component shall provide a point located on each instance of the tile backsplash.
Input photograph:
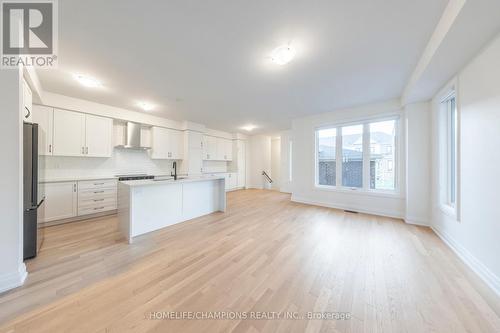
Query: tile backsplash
(123, 161)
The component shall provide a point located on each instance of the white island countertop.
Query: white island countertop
(169, 180)
(148, 205)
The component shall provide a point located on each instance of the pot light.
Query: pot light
(248, 128)
(282, 55)
(87, 81)
(145, 106)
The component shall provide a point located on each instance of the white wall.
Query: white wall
(418, 164)
(303, 168)
(276, 162)
(476, 237)
(259, 159)
(12, 268)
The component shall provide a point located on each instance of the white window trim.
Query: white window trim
(365, 190)
(450, 210)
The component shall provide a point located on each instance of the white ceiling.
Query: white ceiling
(207, 61)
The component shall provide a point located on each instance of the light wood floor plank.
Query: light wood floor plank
(265, 254)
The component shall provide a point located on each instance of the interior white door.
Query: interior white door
(69, 133)
(98, 136)
(60, 201)
(44, 117)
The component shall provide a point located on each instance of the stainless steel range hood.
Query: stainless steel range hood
(133, 137)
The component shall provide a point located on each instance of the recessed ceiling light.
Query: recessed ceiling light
(87, 81)
(248, 128)
(145, 106)
(282, 55)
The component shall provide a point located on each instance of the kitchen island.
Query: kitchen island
(152, 204)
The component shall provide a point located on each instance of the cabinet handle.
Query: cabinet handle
(87, 150)
(97, 200)
(98, 183)
(74, 187)
(97, 208)
(83, 150)
(50, 148)
(98, 192)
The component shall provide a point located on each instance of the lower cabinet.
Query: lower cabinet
(231, 181)
(64, 200)
(60, 201)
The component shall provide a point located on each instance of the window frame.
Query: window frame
(445, 155)
(365, 189)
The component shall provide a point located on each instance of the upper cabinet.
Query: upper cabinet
(98, 136)
(217, 149)
(68, 133)
(44, 117)
(166, 144)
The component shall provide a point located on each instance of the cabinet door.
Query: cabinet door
(98, 136)
(212, 148)
(221, 149)
(229, 150)
(160, 143)
(233, 181)
(176, 144)
(69, 133)
(44, 117)
(60, 201)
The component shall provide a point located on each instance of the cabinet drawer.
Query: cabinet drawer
(97, 184)
(97, 202)
(96, 209)
(96, 193)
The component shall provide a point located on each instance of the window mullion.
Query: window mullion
(338, 158)
(366, 156)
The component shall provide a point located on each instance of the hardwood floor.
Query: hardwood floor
(265, 254)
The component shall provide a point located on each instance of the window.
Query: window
(358, 156)
(352, 156)
(326, 150)
(449, 105)
(382, 142)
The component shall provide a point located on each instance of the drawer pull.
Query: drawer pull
(97, 208)
(98, 183)
(97, 200)
(98, 192)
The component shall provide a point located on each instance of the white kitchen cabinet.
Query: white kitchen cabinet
(96, 196)
(231, 180)
(193, 153)
(221, 149)
(209, 148)
(98, 136)
(69, 133)
(60, 201)
(44, 117)
(79, 134)
(228, 155)
(166, 144)
(27, 103)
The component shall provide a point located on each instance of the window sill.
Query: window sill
(372, 193)
(449, 211)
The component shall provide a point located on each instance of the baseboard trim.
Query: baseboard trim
(470, 261)
(416, 221)
(15, 279)
(343, 207)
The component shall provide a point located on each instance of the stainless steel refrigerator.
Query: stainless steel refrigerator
(33, 194)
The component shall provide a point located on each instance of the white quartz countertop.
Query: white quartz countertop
(75, 179)
(166, 181)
